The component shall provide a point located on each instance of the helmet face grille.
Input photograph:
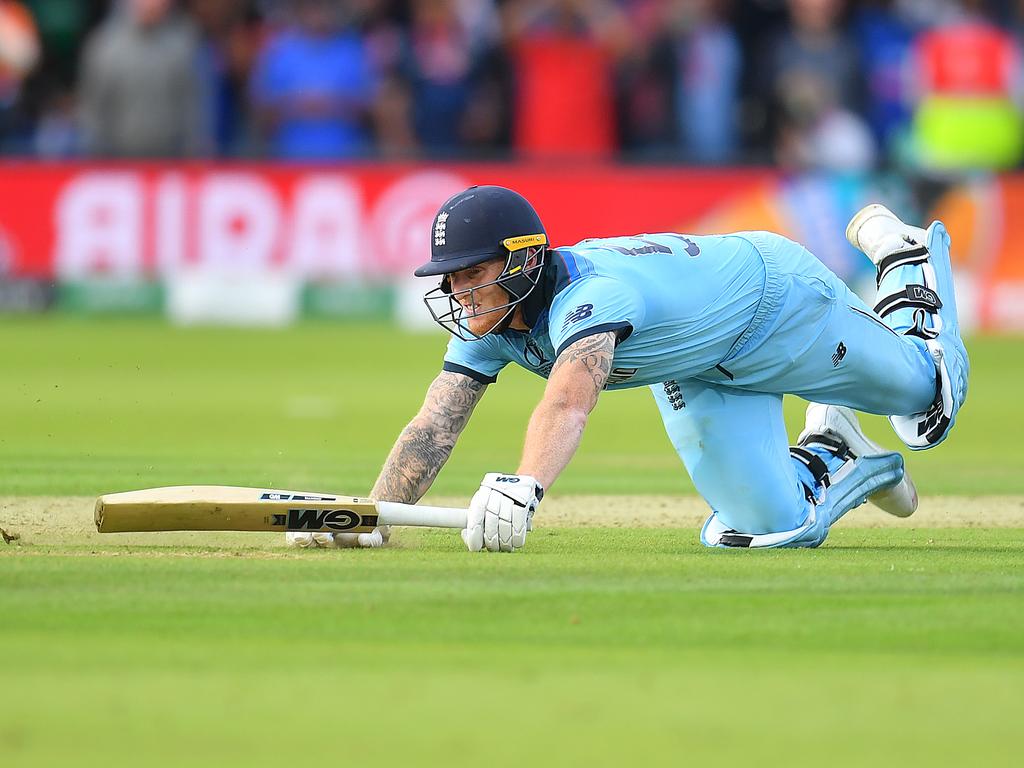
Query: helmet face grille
(519, 278)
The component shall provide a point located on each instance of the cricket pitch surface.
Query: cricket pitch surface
(66, 521)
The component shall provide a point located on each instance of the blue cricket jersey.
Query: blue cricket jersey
(679, 302)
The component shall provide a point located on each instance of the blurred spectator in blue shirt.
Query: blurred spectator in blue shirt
(884, 38)
(313, 85)
(439, 67)
(710, 62)
(229, 46)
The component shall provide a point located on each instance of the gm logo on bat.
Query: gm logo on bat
(318, 519)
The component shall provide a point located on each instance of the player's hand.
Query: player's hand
(378, 537)
(316, 540)
(501, 512)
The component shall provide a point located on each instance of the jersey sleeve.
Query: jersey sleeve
(479, 359)
(594, 305)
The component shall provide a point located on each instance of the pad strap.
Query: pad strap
(913, 296)
(917, 255)
(830, 443)
(920, 327)
(813, 462)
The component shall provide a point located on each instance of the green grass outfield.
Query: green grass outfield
(891, 645)
(103, 406)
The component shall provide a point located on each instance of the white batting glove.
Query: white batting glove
(378, 537)
(501, 512)
(323, 539)
(317, 540)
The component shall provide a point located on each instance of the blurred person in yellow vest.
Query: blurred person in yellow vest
(968, 113)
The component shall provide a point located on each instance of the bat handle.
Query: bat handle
(393, 513)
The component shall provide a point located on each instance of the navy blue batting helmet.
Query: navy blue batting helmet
(477, 225)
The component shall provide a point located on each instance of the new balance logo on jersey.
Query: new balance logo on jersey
(582, 312)
(838, 355)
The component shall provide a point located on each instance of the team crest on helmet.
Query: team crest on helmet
(440, 227)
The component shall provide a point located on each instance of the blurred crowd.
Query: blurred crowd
(846, 85)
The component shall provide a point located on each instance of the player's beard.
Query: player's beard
(504, 314)
(495, 321)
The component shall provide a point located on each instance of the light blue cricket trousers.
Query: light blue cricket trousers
(813, 337)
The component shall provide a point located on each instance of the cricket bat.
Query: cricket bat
(230, 508)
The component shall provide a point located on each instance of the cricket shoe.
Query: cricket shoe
(825, 425)
(317, 540)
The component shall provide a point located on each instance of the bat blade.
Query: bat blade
(231, 508)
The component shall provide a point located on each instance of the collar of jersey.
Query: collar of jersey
(555, 279)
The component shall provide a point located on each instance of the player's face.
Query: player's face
(479, 300)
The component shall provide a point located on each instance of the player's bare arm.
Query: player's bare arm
(426, 443)
(501, 512)
(556, 427)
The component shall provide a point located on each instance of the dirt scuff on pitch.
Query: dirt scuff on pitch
(60, 520)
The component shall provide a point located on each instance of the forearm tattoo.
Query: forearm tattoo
(427, 442)
(595, 354)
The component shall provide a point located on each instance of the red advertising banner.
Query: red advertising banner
(76, 222)
(72, 222)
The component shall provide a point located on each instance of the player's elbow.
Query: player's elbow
(579, 397)
(568, 409)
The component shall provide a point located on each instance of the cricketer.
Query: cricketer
(719, 327)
